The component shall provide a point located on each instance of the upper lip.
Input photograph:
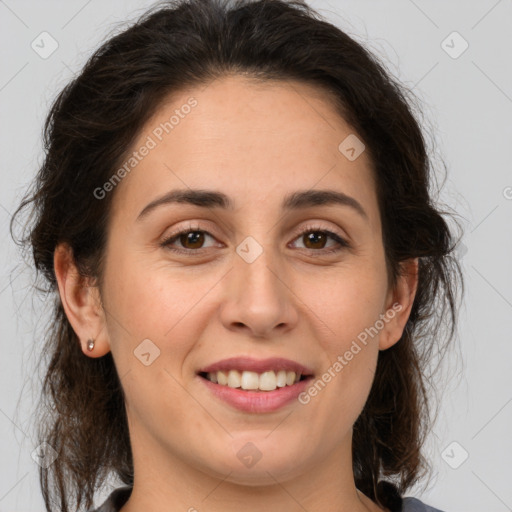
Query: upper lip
(257, 365)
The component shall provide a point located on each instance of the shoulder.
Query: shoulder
(115, 501)
(415, 505)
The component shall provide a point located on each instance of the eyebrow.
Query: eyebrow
(294, 201)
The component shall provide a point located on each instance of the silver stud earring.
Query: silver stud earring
(90, 345)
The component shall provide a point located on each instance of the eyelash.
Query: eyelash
(343, 244)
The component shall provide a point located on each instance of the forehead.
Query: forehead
(255, 141)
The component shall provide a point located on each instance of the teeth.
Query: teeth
(249, 380)
(281, 379)
(234, 379)
(266, 381)
(222, 378)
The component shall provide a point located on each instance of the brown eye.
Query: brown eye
(194, 238)
(191, 241)
(315, 240)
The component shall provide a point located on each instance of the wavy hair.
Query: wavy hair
(87, 135)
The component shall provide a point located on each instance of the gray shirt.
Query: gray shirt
(120, 496)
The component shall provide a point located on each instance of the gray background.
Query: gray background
(467, 101)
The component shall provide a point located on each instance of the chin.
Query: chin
(259, 463)
(262, 474)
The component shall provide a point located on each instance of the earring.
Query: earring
(90, 345)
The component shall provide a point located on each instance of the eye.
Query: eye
(315, 238)
(191, 238)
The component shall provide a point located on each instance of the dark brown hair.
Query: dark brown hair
(88, 133)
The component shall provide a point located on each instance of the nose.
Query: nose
(258, 299)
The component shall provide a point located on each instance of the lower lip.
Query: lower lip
(257, 401)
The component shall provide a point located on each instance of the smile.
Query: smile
(252, 381)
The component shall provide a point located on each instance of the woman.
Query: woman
(234, 216)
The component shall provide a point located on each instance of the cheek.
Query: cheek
(350, 354)
(348, 308)
(345, 303)
(164, 305)
(153, 318)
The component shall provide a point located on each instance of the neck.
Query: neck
(164, 482)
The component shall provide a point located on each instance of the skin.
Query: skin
(256, 143)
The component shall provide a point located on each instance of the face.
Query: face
(274, 278)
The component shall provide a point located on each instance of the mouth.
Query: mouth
(255, 386)
(253, 381)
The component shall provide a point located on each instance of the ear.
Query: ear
(81, 301)
(399, 303)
